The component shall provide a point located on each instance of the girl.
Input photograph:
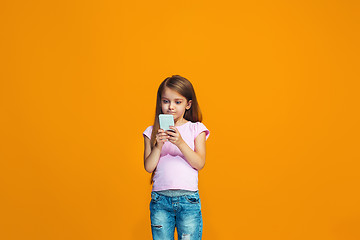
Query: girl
(174, 159)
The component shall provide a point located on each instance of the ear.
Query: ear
(188, 106)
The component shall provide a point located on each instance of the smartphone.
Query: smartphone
(166, 120)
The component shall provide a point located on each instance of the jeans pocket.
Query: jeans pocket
(155, 197)
(193, 198)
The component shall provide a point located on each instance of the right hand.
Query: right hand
(161, 138)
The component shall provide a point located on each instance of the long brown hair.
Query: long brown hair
(184, 87)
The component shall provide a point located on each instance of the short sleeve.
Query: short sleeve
(148, 131)
(200, 127)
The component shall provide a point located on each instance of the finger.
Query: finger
(163, 136)
(173, 128)
(170, 133)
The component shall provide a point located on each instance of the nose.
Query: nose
(171, 106)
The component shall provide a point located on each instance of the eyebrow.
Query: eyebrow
(175, 98)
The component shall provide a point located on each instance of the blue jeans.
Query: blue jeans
(183, 212)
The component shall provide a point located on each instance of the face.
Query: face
(174, 103)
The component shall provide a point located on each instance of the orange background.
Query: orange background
(277, 82)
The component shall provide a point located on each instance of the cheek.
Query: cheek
(164, 107)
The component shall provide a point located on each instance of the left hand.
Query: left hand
(174, 137)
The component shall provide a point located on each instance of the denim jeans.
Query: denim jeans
(182, 212)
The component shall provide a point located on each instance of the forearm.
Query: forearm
(193, 158)
(152, 160)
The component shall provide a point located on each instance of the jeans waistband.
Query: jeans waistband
(175, 193)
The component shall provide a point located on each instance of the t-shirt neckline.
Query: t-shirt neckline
(183, 124)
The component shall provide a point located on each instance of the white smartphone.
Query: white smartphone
(166, 120)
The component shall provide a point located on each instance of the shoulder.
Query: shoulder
(149, 127)
(199, 127)
(148, 131)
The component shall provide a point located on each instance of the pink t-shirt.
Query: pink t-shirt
(173, 171)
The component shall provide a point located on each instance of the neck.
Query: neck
(180, 122)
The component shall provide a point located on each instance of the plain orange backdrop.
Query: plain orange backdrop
(277, 82)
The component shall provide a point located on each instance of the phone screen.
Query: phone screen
(166, 120)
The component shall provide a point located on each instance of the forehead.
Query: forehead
(171, 94)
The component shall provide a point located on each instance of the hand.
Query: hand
(161, 138)
(175, 137)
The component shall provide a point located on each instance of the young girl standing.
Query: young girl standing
(174, 159)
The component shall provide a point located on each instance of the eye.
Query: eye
(178, 102)
(164, 101)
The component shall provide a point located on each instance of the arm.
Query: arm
(195, 158)
(151, 156)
